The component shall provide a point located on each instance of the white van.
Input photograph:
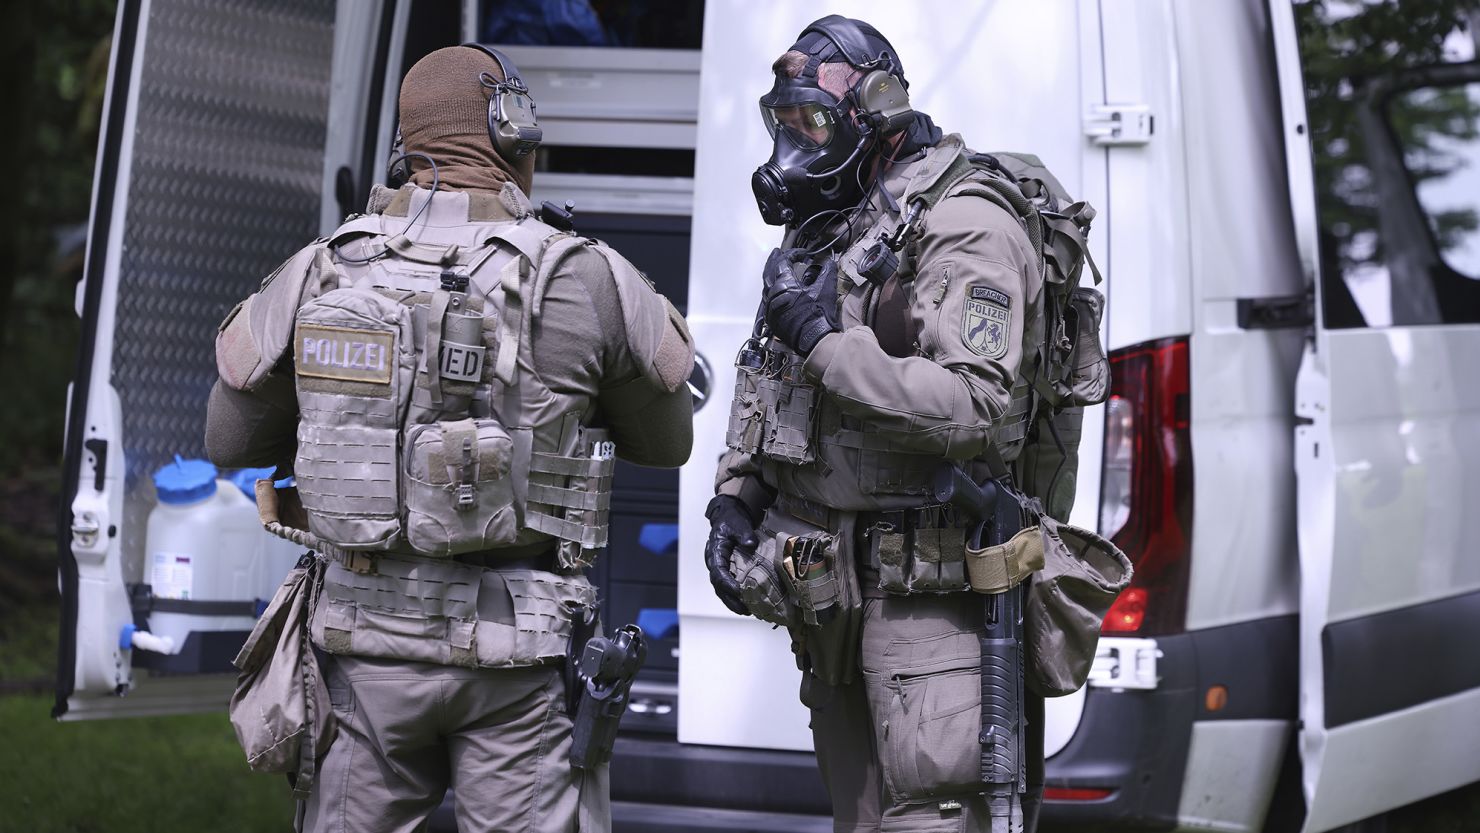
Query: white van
(1289, 455)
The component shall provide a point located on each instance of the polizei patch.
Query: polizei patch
(987, 321)
(344, 353)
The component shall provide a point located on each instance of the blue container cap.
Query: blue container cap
(185, 481)
(658, 622)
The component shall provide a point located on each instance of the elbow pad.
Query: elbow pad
(657, 336)
(258, 332)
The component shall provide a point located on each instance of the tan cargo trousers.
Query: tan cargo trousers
(898, 750)
(408, 731)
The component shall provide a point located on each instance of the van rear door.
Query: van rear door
(211, 171)
(1382, 117)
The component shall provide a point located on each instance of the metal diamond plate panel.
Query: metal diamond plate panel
(227, 166)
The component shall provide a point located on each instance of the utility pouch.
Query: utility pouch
(790, 418)
(1088, 381)
(280, 709)
(1066, 604)
(747, 412)
(919, 551)
(774, 411)
(931, 718)
(460, 496)
(354, 363)
(999, 568)
(1049, 465)
(819, 577)
(759, 577)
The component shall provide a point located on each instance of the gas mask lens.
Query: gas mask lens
(806, 126)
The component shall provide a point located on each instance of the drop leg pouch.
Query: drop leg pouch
(1066, 604)
(828, 607)
(280, 709)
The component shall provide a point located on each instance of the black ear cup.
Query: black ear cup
(512, 126)
(511, 123)
(398, 170)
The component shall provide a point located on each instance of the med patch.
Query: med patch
(986, 322)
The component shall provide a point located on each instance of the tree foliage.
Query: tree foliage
(56, 62)
(1348, 48)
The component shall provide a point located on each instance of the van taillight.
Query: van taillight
(1146, 489)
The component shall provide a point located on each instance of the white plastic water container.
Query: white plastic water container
(276, 556)
(202, 544)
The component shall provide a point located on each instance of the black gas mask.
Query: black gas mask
(818, 150)
(820, 141)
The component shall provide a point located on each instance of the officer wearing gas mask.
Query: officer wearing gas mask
(449, 379)
(894, 325)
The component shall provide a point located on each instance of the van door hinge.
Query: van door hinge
(1119, 125)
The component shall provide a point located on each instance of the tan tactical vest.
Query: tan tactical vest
(810, 448)
(426, 434)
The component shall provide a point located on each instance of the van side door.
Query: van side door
(211, 171)
(1382, 118)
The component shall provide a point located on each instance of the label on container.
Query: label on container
(170, 575)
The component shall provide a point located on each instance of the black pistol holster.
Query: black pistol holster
(603, 685)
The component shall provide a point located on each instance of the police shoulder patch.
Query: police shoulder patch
(986, 321)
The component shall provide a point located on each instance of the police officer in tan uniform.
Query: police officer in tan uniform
(896, 324)
(449, 379)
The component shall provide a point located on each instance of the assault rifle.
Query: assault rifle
(1003, 734)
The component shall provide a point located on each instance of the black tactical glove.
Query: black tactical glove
(730, 528)
(800, 298)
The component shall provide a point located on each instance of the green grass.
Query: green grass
(141, 774)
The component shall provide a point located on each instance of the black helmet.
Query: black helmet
(821, 140)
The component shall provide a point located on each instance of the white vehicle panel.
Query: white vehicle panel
(967, 65)
(1232, 767)
(1244, 563)
(164, 194)
(102, 599)
(1369, 767)
(1405, 462)
(1149, 259)
(1385, 457)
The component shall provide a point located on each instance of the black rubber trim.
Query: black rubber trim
(1133, 743)
(657, 771)
(378, 73)
(203, 652)
(203, 607)
(1400, 658)
(110, 146)
(1281, 313)
(650, 818)
(1258, 663)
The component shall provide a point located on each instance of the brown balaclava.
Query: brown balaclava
(444, 114)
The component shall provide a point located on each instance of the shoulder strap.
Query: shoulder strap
(549, 261)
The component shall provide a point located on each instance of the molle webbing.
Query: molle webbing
(449, 613)
(570, 493)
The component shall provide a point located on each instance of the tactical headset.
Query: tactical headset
(882, 95)
(511, 123)
(512, 128)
